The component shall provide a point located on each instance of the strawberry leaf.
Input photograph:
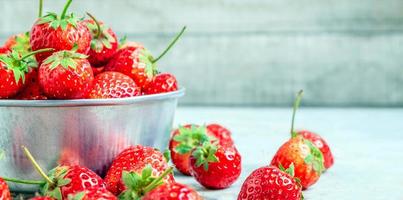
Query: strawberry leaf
(136, 183)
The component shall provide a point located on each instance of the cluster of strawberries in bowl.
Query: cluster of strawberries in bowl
(66, 57)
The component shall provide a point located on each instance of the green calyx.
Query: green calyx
(20, 64)
(315, 158)
(57, 175)
(53, 181)
(55, 21)
(290, 171)
(205, 154)
(137, 185)
(150, 67)
(22, 44)
(66, 59)
(101, 36)
(190, 138)
(297, 102)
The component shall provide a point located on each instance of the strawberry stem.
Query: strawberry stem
(97, 23)
(170, 45)
(155, 183)
(294, 110)
(29, 182)
(40, 8)
(36, 165)
(36, 52)
(66, 7)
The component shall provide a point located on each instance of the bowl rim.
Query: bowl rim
(92, 102)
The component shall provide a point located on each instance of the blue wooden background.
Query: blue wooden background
(259, 52)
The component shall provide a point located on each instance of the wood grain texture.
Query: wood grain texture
(343, 53)
(365, 147)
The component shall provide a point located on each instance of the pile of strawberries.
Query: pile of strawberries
(138, 172)
(66, 57)
(209, 155)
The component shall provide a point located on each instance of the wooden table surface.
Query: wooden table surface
(367, 144)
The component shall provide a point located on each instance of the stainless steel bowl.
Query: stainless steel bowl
(89, 132)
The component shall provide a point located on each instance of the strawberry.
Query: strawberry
(4, 50)
(104, 42)
(60, 33)
(13, 70)
(137, 62)
(321, 144)
(174, 191)
(4, 191)
(306, 157)
(113, 85)
(134, 160)
(66, 75)
(182, 142)
(161, 83)
(94, 193)
(33, 90)
(271, 183)
(215, 167)
(19, 43)
(222, 134)
(64, 180)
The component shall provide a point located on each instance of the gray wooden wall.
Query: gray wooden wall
(259, 52)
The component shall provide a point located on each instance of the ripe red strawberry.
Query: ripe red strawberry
(60, 33)
(174, 191)
(66, 75)
(306, 157)
(64, 180)
(134, 160)
(183, 141)
(4, 50)
(19, 43)
(94, 193)
(113, 85)
(222, 134)
(321, 144)
(271, 183)
(104, 42)
(215, 167)
(13, 71)
(161, 83)
(33, 90)
(4, 191)
(137, 62)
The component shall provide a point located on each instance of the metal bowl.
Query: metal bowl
(89, 132)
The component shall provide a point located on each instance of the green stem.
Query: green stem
(36, 165)
(40, 8)
(155, 183)
(97, 23)
(295, 108)
(66, 7)
(28, 182)
(36, 52)
(170, 45)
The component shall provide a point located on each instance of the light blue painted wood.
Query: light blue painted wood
(258, 52)
(366, 143)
